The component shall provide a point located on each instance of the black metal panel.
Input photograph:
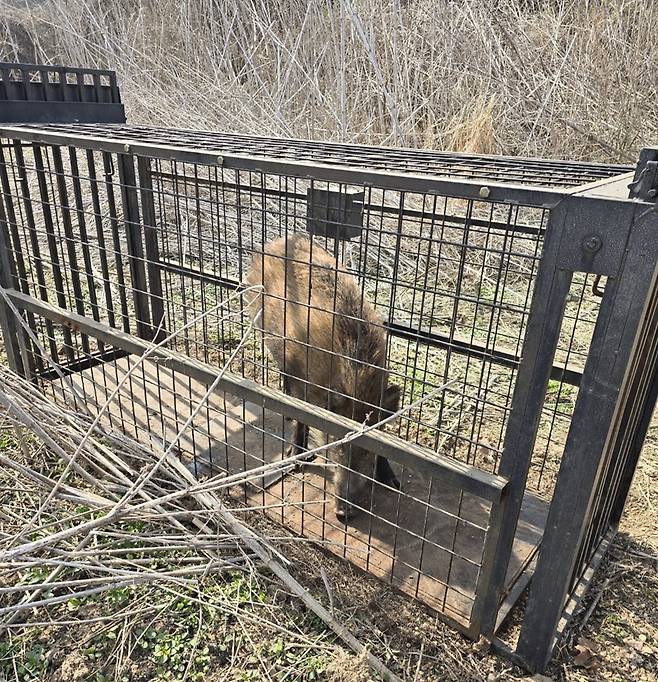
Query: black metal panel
(62, 112)
(40, 93)
(334, 214)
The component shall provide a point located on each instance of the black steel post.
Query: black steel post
(135, 244)
(549, 299)
(152, 249)
(8, 326)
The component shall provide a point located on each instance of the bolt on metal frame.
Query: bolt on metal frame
(530, 283)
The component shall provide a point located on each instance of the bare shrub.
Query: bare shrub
(562, 78)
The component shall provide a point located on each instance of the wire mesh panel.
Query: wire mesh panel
(377, 322)
(452, 299)
(70, 238)
(511, 170)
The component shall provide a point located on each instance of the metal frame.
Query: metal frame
(127, 140)
(630, 265)
(519, 171)
(591, 229)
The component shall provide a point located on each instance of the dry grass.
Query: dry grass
(562, 78)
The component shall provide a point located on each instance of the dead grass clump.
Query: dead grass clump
(562, 79)
(474, 128)
(348, 669)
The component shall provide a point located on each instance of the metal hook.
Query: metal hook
(596, 289)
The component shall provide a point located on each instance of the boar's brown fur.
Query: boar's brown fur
(330, 345)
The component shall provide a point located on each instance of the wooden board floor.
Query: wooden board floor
(425, 539)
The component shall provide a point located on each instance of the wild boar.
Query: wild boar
(329, 343)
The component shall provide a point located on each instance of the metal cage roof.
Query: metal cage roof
(499, 169)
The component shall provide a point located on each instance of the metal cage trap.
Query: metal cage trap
(514, 302)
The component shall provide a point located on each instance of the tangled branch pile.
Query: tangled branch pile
(132, 516)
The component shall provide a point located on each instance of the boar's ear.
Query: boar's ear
(391, 398)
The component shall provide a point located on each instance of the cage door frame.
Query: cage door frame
(596, 421)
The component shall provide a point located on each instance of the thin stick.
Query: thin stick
(253, 542)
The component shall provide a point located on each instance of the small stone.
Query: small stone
(636, 660)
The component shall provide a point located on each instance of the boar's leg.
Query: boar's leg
(300, 439)
(300, 442)
(385, 474)
(298, 446)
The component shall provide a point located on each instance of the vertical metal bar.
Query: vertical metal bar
(4, 90)
(134, 243)
(100, 236)
(543, 331)
(151, 244)
(82, 229)
(84, 238)
(635, 450)
(15, 263)
(52, 244)
(114, 87)
(49, 88)
(594, 424)
(32, 90)
(78, 84)
(8, 325)
(13, 236)
(33, 235)
(69, 237)
(108, 170)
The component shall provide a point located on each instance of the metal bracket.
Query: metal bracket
(334, 214)
(595, 234)
(645, 182)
